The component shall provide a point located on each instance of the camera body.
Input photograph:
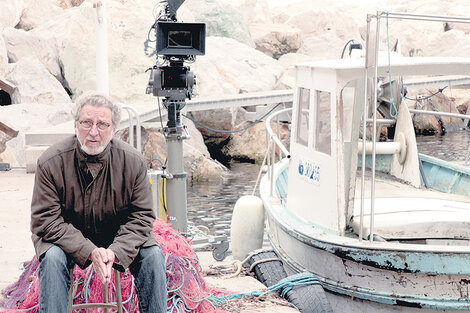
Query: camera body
(177, 43)
(174, 82)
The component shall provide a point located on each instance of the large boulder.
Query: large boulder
(287, 61)
(34, 84)
(320, 28)
(10, 12)
(37, 12)
(27, 117)
(251, 145)
(195, 139)
(127, 27)
(67, 4)
(426, 124)
(432, 42)
(242, 70)
(197, 165)
(436, 38)
(3, 55)
(459, 9)
(223, 120)
(319, 17)
(5, 156)
(276, 40)
(200, 167)
(21, 44)
(439, 102)
(435, 7)
(443, 103)
(322, 47)
(256, 11)
(222, 19)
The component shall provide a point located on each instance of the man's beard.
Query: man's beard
(93, 151)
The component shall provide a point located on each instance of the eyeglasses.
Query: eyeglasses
(87, 124)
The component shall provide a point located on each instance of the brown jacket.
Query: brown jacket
(72, 210)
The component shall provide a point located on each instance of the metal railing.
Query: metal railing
(132, 113)
(274, 142)
(371, 63)
(465, 117)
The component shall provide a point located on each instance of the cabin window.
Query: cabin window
(303, 116)
(323, 122)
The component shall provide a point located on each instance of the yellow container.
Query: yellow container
(158, 182)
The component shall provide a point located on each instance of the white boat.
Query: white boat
(322, 209)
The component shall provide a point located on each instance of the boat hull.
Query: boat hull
(363, 276)
(357, 287)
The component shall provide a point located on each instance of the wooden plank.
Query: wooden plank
(7, 86)
(7, 130)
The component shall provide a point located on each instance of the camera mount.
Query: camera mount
(174, 82)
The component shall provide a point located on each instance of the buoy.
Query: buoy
(247, 226)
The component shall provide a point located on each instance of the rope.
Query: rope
(262, 261)
(239, 264)
(427, 97)
(285, 285)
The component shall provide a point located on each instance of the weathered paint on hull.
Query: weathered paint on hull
(365, 287)
(392, 277)
(445, 176)
(344, 304)
(438, 174)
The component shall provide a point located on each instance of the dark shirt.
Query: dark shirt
(78, 212)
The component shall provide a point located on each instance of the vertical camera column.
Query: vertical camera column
(176, 43)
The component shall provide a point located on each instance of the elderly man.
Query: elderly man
(92, 204)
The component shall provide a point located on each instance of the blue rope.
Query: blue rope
(392, 102)
(285, 286)
(130, 296)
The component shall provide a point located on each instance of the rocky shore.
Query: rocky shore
(47, 59)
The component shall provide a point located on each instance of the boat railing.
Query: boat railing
(448, 114)
(371, 64)
(274, 144)
(133, 114)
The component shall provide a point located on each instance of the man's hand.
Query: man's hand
(103, 260)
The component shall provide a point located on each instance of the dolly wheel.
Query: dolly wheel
(219, 251)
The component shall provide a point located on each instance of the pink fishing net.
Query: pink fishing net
(187, 290)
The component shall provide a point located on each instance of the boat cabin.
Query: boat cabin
(329, 101)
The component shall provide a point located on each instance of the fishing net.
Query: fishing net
(187, 290)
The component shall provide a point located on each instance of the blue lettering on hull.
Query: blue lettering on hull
(309, 171)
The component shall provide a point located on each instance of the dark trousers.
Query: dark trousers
(148, 270)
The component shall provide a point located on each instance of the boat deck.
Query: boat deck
(389, 187)
(403, 212)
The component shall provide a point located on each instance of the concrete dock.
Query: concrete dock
(15, 247)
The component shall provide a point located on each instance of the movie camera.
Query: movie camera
(176, 43)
